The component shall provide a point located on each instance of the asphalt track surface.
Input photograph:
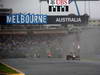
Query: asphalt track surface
(50, 66)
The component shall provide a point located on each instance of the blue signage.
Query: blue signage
(33, 19)
(26, 19)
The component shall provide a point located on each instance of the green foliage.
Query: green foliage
(6, 69)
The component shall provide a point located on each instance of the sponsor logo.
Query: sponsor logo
(58, 5)
(59, 2)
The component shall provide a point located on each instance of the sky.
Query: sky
(34, 6)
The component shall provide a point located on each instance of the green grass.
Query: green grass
(6, 69)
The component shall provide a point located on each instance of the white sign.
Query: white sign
(59, 2)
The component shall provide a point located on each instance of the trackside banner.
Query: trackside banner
(26, 19)
(68, 19)
(42, 19)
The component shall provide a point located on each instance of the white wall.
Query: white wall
(24, 6)
(34, 6)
